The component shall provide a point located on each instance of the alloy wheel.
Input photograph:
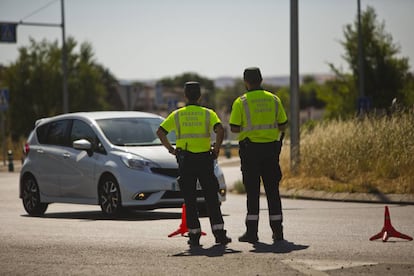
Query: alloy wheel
(31, 197)
(109, 197)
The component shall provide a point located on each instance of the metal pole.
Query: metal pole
(64, 64)
(128, 89)
(65, 98)
(294, 87)
(360, 59)
(3, 137)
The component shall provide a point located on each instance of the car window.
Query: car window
(41, 133)
(81, 130)
(56, 133)
(131, 131)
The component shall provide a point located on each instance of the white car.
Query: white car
(113, 159)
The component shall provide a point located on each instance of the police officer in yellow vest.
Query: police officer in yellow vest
(260, 119)
(193, 125)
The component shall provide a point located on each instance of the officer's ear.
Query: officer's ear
(247, 85)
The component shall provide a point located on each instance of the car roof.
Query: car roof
(96, 115)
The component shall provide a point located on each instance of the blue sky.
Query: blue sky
(152, 39)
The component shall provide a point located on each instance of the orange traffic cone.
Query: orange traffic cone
(183, 226)
(388, 230)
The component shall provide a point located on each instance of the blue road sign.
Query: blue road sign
(8, 32)
(4, 99)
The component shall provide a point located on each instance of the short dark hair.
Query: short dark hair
(192, 90)
(252, 75)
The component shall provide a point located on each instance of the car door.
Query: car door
(49, 156)
(78, 180)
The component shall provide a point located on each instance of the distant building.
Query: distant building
(149, 97)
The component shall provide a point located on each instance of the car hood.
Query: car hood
(156, 154)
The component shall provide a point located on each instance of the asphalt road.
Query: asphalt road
(322, 238)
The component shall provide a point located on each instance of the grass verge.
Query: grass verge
(372, 155)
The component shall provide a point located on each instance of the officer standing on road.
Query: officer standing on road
(260, 119)
(193, 125)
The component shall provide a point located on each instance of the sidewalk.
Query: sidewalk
(323, 195)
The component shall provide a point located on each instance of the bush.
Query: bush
(374, 154)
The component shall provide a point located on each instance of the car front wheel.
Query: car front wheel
(110, 196)
(31, 197)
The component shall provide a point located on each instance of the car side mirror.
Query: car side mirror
(83, 144)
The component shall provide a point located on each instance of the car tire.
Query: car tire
(31, 197)
(110, 196)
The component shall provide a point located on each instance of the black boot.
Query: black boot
(250, 238)
(221, 237)
(250, 235)
(194, 239)
(277, 229)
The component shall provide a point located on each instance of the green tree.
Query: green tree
(308, 93)
(339, 95)
(408, 91)
(35, 83)
(226, 96)
(385, 73)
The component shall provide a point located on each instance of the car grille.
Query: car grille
(178, 194)
(167, 172)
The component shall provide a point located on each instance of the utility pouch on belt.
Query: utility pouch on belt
(180, 156)
(244, 143)
(212, 154)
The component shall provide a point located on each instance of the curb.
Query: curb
(406, 199)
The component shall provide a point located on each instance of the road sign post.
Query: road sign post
(4, 105)
(4, 99)
(8, 35)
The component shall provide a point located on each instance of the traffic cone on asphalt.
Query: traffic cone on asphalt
(183, 226)
(388, 230)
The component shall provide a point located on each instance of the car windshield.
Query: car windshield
(133, 131)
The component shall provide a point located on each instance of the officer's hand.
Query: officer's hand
(215, 152)
(172, 151)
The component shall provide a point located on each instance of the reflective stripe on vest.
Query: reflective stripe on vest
(250, 126)
(206, 134)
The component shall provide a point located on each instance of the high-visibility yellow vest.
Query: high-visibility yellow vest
(258, 113)
(193, 126)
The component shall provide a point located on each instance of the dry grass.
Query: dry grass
(373, 155)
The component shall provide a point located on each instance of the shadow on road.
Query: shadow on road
(125, 216)
(277, 247)
(214, 251)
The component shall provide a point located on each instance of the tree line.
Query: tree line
(35, 80)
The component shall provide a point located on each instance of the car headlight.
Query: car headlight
(136, 162)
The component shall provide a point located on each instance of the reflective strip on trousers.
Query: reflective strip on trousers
(217, 227)
(206, 134)
(250, 126)
(194, 231)
(275, 217)
(252, 217)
